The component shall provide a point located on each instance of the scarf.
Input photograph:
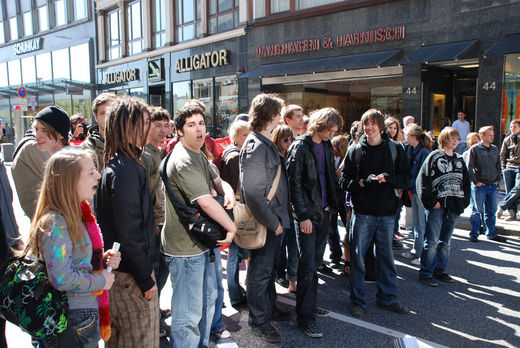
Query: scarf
(98, 265)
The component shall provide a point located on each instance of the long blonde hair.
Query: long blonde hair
(58, 194)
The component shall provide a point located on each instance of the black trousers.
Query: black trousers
(311, 247)
(261, 275)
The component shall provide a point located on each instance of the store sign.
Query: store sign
(341, 40)
(202, 61)
(156, 70)
(122, 76)
(28, 46)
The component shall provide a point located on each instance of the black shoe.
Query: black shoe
(321, 313)
(356, 310)
(499, 239)
(279, 315)
(473, 238)
(283, 282)
(324, 269)
(444, 277)
(396, 245)
(311, 330)
(267, 333)
(337, 265)
(394, 307)
(429, 282)
(482, 230)
(165, 313)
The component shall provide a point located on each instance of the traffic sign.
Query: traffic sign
(22, 92)
(23, 104)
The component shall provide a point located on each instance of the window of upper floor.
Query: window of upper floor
(135, 32)
(113, 34)
(187, 19)
(43, 17)
(159, 23)
(60, 12)
(13, 28)
(223, 15)
(2, 34)
(27, 23)
(80, 9)
(265, 8)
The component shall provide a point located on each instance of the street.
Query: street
(481, 309)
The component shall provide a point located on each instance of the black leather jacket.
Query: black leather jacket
(304, 181)
(124, 211)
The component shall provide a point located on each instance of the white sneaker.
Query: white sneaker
(416, 262)
(222, 334)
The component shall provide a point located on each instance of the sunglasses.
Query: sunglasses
(288, 140)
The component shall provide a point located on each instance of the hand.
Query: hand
(109, 279)
(380, 178)
(479, 184)
(148, 295)
(229, 201)
(278, 230)
(437, 206)
(20, 245)
(306, 226)
(361, 183)
(112, 258)
(229, 238)
(78, 130)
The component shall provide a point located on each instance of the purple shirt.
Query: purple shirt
(320, 154)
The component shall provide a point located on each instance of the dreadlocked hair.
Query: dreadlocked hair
(125, 126)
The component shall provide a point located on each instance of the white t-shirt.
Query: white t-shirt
(463, 128)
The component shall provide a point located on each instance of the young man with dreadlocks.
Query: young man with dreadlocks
(125, 214)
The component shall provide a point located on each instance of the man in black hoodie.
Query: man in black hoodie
(312, 184)
(375, 172)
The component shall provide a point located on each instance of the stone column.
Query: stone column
(147, 22)
(412, 93)
(170, 22)
(123, 28)
(101, 36)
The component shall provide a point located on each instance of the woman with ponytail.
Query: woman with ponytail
(417, 151)
(64, 234)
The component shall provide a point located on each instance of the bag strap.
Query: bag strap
(276, 181)
(178, 205)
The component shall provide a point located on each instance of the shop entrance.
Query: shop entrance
(446, 92)
(350, 97)
(157, 95)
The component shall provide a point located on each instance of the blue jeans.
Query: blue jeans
(288, 261)
(235, 256)
(194, 292)
(364, 229)
(419, 224)
(312, 247)
(512, 181)
(216, 325)
(484, 200)
(82, 331)
(440, 224)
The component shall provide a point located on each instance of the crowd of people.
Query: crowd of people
(296, 174)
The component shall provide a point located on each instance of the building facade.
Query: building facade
(48, 48)
(428, 59)
(168, 52)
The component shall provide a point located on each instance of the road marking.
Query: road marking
(367, 325)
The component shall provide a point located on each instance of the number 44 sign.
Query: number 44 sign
(489, 85)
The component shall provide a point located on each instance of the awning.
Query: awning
(507, 44)
(439, 53)
(48, 87)
(355, 61)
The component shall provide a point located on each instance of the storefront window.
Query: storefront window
(181, 94)
(510, 94)
(27, 23)
(82, 105)
(203, 91)
(43, 18)
(3, 75)
(159, 23)
(114, 42)
(80, 9)
(60, 64)
(13, 28)
(28, 70)
(135, 35)
(137, 92)
(59, 10)
(15, 76)
(226, 103)
(80, 63)
(63, 100)
(387, 99)
(43, 67)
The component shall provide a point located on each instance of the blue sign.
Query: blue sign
(22, 92)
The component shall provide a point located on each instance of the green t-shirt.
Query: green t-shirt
(192, 173)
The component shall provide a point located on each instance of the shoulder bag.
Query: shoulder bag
(28, 299)
(250, 233)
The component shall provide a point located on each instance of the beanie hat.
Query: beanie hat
(57, 118)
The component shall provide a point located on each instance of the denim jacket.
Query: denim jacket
(420, 155)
